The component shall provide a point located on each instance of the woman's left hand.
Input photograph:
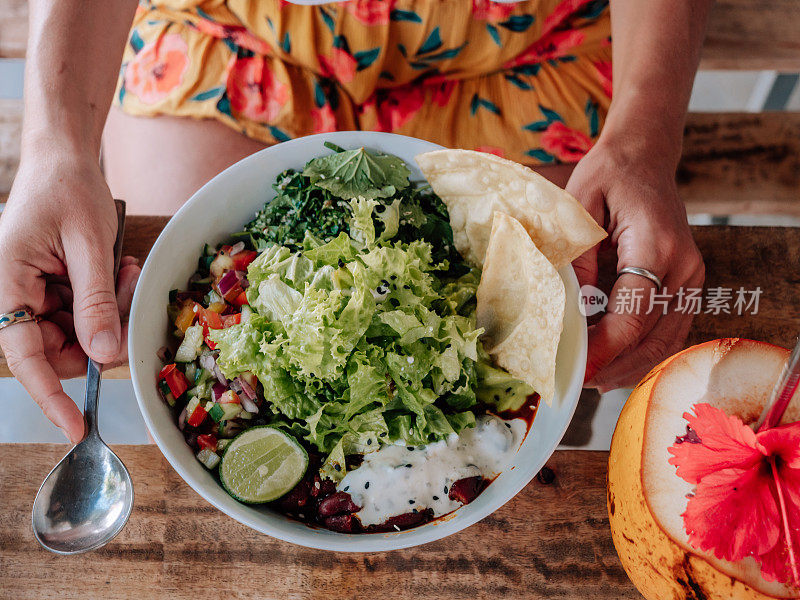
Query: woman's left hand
(632, 193)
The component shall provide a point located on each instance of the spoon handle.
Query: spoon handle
(783, 392)
(93, 372)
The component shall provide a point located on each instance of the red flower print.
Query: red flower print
(371, 12)
(157, 69)
(747, 496)
(555, 45)
(394, 108)
(491, 150)
(561, 14)
(603, 69)
(236, 33)
(324, 119)
(442, 92)
(494, 12)
(254, 90)
(568, 145)
(341, 65)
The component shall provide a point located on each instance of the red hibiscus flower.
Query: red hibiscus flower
(603, 69)
(491, 150)
(324, 119)
(555, 45)
(568, 145)
(747, 490)
(494, 12)
(394, 108)
(157, 69)
(371, 12)
(254, 90)
(340, 65)
(236, 33)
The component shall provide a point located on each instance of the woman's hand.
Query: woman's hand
(56, 257)
(631, 191)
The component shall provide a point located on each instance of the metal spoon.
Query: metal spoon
(87, 498)
(782, 393)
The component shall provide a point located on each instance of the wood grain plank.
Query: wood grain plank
(176, 545)
(741, 164)
(752, 34)
(13, 28)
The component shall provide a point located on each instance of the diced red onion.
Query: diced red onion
(227, 282)
(194, 295)
(236, 248)
(217, 390)
(248, 404)
(182, 419)
(246, 388)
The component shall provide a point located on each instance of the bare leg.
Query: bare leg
(156, 164)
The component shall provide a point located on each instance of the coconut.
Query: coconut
(646, 498)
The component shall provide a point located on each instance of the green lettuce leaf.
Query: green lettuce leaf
(361, 172)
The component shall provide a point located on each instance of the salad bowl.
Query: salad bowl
(224, 205)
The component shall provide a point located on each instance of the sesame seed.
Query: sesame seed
(408, 465)
(414, 511)
(397, 527)
(508, 390)
(366, 486)
(436, 497)
(369, 441)
(338, 467)
(410, 448)
(346, 488)
(445, 489)
(411, 501)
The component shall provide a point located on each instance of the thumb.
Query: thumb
(90, 266)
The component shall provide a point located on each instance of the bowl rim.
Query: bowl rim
(335, 541)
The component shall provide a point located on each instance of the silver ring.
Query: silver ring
(21, 315)
(643, 273)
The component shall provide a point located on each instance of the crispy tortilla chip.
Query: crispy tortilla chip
(521, 300)
(474, 185)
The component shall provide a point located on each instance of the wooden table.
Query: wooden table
(551, 541)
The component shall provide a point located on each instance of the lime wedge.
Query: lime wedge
(262, 464)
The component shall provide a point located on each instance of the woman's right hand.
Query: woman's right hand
(56, 258)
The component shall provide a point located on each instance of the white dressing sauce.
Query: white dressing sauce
(397, 479)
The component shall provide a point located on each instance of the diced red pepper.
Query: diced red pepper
(241, 299)
(176, 380)
(243, 258)
(197, 417)
(209, 320)
(228, 320)
(207, 440)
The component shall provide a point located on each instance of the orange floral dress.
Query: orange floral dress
(528, 80)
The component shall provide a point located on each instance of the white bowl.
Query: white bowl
(223, 206)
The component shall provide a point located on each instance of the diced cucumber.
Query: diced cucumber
(165, 393)
(203, 263)
(228, 429)
(209, 458)
(209, 250)
(191, 345)
(245, 415)
(190, 371)
(190, 408)
(222, 444)
(223, 412)
(216, 412)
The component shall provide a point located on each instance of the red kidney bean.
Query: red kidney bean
(337, 504)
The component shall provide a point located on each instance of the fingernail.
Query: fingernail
(104, 343)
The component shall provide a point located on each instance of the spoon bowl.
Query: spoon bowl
(85, 500)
